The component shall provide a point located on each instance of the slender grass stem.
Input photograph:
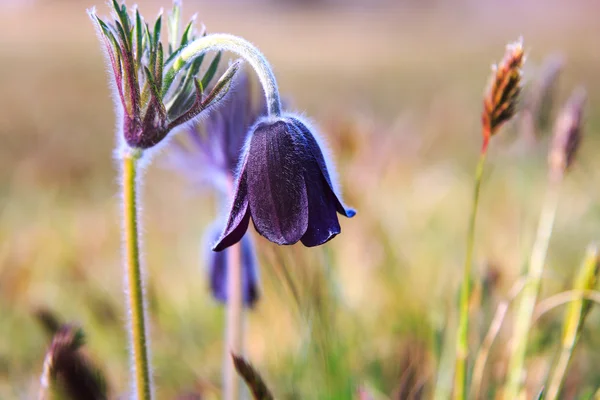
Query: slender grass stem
(562, 298)
(235, 318)
(531, 290)
(462, 339)
(138, 335)
(488, 341)
(574, 321)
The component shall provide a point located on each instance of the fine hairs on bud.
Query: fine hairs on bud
(502, 95)
(567, 134)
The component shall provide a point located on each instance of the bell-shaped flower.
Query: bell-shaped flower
(284, 185)
(153, 95)
(218, 266)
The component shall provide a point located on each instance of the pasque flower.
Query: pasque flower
(152, 96)
(284, 186)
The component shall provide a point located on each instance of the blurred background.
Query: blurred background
(396, 88)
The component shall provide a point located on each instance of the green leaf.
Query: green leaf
(212, 69)
(155, 92)
(186, 34)
(123, 36)
(158, 69)
(114, 48)
(173, 70)
(173, 25)
(184, 93)
(139, 36)
(157, 29)
(125, 24)
(188, 83)
(222, 86)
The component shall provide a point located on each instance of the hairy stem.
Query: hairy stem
(462, 339)
(138, 335)
(223, 41)
(235, 314)
(234, 328)
(530, 292)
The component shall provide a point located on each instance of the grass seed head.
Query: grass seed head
(567, 134)
(502, 95)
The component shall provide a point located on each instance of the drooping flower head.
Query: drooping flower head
(284, 186)
(152, 96)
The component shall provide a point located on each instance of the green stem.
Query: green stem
(135, 289)
(530, 292)
(574, 321)
(462, 339)
(223, 41)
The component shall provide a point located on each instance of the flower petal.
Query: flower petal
(218, 272)
(250, 273)
(316, 152)
(239, 216)
(323, 224)
(276, 187)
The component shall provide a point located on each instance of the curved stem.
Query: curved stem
(462, 339)
(138, 336)
(562, 298)
(223, 41)
(530, 292)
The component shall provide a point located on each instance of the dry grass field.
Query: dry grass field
(397, 92)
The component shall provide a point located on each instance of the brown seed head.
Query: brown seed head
(500, 101)
(567, 134)
(67, 370)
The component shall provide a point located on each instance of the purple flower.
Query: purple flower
(284, 186)
(217, 264)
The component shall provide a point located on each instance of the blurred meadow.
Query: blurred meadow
(396, 89)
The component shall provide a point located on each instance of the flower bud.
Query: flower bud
(152, 96)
